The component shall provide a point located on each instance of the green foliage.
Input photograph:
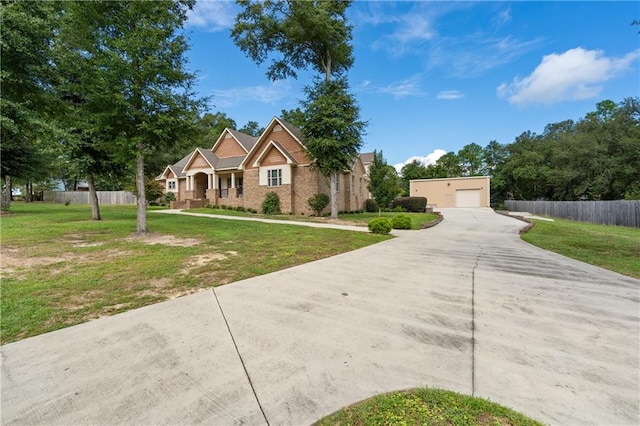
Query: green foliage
(595, 158)
(401, 222)
(370, 205)
(399, 209)
(332, 127)
(410, 204)
(271, 203)
(153, 190)
(381, 226)
(411, 171)
(318, 202)
(306, 34)
(471, 160)
(383, 180)
(170, 196)
(252, 128)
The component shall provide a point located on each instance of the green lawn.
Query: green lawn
(417, 219)
(612, 247)
(426, 407)
(59, 268)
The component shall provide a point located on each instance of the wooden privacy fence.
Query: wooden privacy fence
(105, 198)
(618, 212)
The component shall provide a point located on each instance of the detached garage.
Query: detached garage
(453, 192)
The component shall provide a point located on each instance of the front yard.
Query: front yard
(59, 268)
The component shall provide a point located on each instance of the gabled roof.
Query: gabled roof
(209, 157)
(290, 128)
(176, 168)
(245, 141)
(367, 157)
(276, 145)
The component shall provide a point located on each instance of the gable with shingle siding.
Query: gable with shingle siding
(229, 147)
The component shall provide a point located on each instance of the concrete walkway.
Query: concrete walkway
(465, 306)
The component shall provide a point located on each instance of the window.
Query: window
(274, 177)
(353, 184)
(171, 184)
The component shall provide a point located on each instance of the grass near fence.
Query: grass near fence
(59, 268)
(611, 247)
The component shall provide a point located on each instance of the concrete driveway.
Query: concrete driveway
(465, 306)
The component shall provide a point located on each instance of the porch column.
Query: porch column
(233, 180)
(210, 181)
(188, 183)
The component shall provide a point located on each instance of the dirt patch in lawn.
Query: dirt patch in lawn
(168, 240)
(204, 259)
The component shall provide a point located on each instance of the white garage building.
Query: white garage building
(453, 192)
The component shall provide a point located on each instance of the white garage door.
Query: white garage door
(468, 198)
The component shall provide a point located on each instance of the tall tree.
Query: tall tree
(413, 170)
(306, 33)
(26, 32)
(471, 159)
(333, 130)
(383, 180)
(144, 92)
(293, 116)
(252, 128)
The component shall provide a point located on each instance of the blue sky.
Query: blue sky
(431, 77)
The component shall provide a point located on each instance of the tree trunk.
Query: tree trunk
(28, 196)
(334, 195)
(141, 219)
(5, 199)
(93, 198)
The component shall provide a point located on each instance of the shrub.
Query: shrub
(370, 205)
(318, 202)
(170, 196)
(411, 204)
(399, 209)
(401, 221)
(381, 225)
(271, 203)
(239, 209)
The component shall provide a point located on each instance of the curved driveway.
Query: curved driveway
(465, 306)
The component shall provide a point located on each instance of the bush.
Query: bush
(381, 225)
(170, 196)
(271, 203)
(411, 204)
(399, 209)
(370, 205)
(240, 209)
(318, 202)
(401, 221)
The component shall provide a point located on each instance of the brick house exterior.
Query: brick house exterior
(239, 170)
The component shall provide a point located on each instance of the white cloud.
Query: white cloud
(450, 95)
(503, 17)
(403, 88)
(427, 160)
(268, 94)
(573, 75)
(212, 15)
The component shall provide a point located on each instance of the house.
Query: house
(239, 170)
(453, 192)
